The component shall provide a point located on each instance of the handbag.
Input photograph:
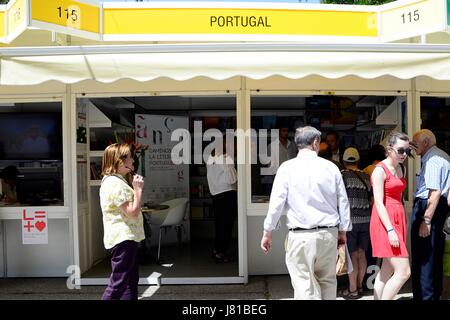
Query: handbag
(343, 262)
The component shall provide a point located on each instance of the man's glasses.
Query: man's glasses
(402, 151)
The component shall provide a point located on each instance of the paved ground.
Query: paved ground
(258, 288)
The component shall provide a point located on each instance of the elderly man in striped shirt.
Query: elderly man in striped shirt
(428, 218)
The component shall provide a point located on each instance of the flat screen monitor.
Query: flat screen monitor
(38, 186)
(30, 136)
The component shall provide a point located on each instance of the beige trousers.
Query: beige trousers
(311, 262)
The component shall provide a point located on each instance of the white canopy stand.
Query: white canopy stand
(29, 66)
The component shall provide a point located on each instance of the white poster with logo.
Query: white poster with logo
(164, 180)
(34, 227)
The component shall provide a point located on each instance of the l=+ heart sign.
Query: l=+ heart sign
(40, 225)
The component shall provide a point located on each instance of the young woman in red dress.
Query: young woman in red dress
(388, 222)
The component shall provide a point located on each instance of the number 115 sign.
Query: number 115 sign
(413, 18)
(75, 17)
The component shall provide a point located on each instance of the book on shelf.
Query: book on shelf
(200, 190)
(95, 171)
(196, 213)
(208, 212)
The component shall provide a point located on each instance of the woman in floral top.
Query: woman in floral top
(122, 221)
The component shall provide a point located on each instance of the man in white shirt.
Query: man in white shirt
(332, 139)
(313, 193)
(286, 149)
(222, 180)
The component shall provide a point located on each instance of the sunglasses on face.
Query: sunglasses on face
(402, 151)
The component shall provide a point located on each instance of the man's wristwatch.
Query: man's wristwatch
(426, 220)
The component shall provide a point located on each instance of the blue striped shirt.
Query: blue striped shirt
(434, 174)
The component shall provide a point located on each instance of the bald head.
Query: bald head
(426, 134)
(424, 139)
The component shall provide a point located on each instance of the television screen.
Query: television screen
(30, 136)
(39, 186)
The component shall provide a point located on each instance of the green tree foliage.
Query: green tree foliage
(4, 1)
(362, 2)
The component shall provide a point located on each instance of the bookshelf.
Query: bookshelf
(201, 202)
(361, 121)
(101, 134)
(375, 120)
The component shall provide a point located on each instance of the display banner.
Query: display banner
(405, 19)
(34, 227)
(2, 23)
(80, 18)
(16, 13)
(163, 179)
(225, 21)
(239, 21)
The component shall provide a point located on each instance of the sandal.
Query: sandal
(351, 295)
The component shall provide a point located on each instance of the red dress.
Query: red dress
(393, 189)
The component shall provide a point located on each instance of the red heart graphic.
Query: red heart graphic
(40, 225)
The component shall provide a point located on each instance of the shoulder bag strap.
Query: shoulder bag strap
(364, 183)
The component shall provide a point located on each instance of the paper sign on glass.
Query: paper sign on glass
(34, 227)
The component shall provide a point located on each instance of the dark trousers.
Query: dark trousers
(123, 283)
(427, 254)
(225, 213)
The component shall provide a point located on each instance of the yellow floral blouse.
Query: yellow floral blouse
(114, 192)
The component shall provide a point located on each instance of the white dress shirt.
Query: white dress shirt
(221, 174)
(313, 192)
(336, 156)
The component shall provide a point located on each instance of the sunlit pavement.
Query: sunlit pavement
(258, 288)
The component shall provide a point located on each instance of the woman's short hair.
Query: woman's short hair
(305, 136)
(394, 137)
(113, 156)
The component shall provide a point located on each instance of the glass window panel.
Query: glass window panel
(359, 121)
(31, 153)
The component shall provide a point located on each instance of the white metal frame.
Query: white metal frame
(54, 212)
(223, 47)
(242, 276)
(417, 121)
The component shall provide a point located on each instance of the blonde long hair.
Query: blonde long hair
(113, 156)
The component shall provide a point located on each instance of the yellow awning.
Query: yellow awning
(74, 64)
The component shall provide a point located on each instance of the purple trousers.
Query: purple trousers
(123, 283)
